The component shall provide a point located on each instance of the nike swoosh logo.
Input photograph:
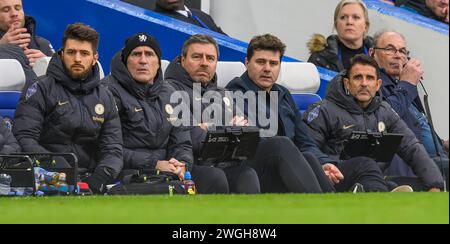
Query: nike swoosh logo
(346, 127)
(62, 103)
(137, 110)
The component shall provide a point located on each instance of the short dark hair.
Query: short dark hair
(199, 39)
(265, 42)
(82, 32)
(363, 59)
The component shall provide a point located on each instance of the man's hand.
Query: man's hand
(33, 55)
(446, 146)
(333, 173)
(180, 168)
(204, 126)
(239, 121)
(412, 72)
(165, 166)
(17, 36)
(444, 14)
(173, 166)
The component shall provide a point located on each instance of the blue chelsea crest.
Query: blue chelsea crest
(31, 91)
(313, 114)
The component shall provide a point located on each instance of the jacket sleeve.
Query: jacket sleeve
(10, 144)
(303, 138)
(29, 120)
(139, 160)
(415, 155)
(198, 135)
(45, 46)
(180, 145)
(315, 123)
(401, 98)
(110, 140)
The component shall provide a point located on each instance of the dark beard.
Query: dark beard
(80, 76)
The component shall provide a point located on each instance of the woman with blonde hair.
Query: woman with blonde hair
(351, 21)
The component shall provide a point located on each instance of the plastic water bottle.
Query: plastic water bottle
(5, 184)
(48, 177)
(188, 184)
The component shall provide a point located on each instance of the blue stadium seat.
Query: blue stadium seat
(8, 103)
(304, 100)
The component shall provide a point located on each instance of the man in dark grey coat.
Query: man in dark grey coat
(20, 30)
(68, 111)
(195, 70)
(354, 104)
(143, 98)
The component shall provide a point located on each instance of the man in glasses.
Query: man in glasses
(401, 75)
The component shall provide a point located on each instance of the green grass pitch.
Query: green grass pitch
(231, 209)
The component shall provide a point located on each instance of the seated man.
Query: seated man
(353, 103)
(8, 143)
(435, 9)
(176, 9)
(10, 51)
(400, 78)
(143, 99)
(68, 111)
(288, 160)
(196, 70)
(18, 29)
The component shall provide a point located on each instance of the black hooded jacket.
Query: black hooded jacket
(8, 143)
(290, 122)
(148, 134)
(37, 42)
(179, 79)
(61, 115)
(333, 121)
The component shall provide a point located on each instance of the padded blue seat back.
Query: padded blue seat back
(304, 100)
(8, 103)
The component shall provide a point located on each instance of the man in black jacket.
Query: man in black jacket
(68, 111)
(287, 160)
(354, 104)
(195, 70)
(176, 9)
(143, 98)
(8, 143)
(18, 29)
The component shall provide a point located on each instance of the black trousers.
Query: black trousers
(242, 179)
(282, 168)
(239, 179)
(209, 180)
(364, 171)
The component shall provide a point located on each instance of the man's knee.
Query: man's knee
(210, 180)
(248, 182)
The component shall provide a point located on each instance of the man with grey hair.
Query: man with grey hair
(401, 75)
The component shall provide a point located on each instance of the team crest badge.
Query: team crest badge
(99, 109)
(31, 91)
(381, 127)
(313, 114)
(142, 38)
(169, 109)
